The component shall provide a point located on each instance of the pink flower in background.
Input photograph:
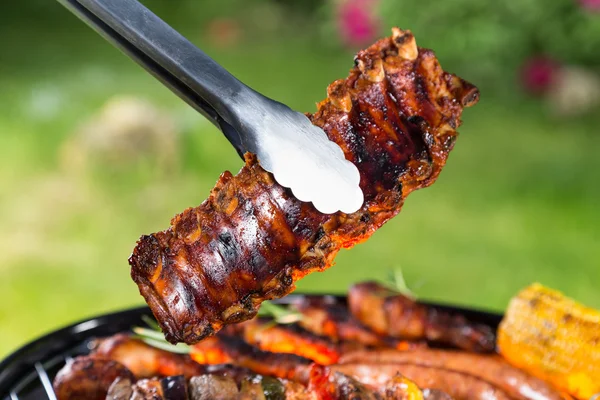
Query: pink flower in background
(357, 22)
(223, 32)
(538, 73)
(590, 5)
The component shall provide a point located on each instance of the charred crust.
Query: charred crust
(339, 95)
(470, 97)
(405, 43)
(145, 256)
(395, 118)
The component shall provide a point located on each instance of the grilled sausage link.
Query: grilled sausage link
(390, 313)
(515, 382)
(395, 118)
(144, 360)
(458, 385)
(327, 317)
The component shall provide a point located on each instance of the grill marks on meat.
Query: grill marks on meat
(326, 317)
(146, 361)
(292, 338)
(88, 378)
(490, 369)
(458, 385)
(390, 313)
(394, 117)
(329, 384)
(224, 349)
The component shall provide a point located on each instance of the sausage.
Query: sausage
(459, 385)
(88, 378)
(388, 312)
(493, 369)
(146, 361)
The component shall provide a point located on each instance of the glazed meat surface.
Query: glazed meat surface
(395, 118)
(388, 312)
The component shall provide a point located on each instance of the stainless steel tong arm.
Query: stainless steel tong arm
(299, 155)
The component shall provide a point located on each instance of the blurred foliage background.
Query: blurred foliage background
(94, 152)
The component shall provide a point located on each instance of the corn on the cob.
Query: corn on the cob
(553, 338)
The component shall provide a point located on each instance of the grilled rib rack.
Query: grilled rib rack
(27, 374)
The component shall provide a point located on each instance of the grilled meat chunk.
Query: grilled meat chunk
(390, 313)
(146, 361)
(395, 118)
(213, 387)
(222, 349)
(88, 378)
(148, 389)
(402, 388)
(292, 339)
(168, 388)
(120, 389)
(331, 385)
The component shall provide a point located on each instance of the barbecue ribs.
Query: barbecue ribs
(395, 118)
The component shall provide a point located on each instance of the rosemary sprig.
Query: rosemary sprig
(279, 314)
(398, 283)
(153, 335)
(151, 322)
(155, 338)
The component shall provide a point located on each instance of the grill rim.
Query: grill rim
(59, 343)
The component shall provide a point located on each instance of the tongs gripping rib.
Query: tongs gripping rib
(176, 62)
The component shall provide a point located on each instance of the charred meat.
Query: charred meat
(395, 118)
(292, 339)
(146, 361)
(490, 369)
(325, 316)
(261, 359)
(222, 349)
(390, 313)
(88, 378)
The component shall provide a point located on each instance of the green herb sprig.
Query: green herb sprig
(153, 336)
(397, 282)
(279, 314)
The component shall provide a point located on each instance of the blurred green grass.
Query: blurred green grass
(516, 203)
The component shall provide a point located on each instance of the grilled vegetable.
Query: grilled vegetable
(120, 389)
(331, 385)
(554, 338)
(402, 388)
(208, 387)
(395, 117)
(235, 363)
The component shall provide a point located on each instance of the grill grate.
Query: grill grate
(39, 380)
(27, 374)
(37, 383)
(39, 368)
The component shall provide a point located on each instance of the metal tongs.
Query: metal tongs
(287, 144)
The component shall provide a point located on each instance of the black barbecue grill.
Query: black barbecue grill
(29, 371)
(27, 374)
